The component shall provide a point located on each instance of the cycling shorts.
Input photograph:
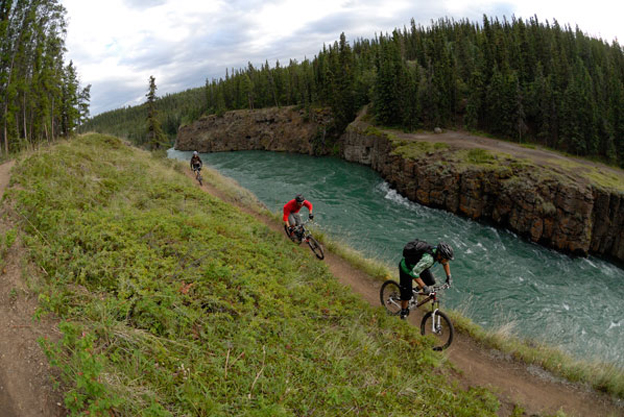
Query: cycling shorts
(406, 281)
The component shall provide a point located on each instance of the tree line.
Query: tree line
(522, 80)
(40, 95)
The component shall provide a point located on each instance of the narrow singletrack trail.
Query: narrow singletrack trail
(474, 365)
(25, 386)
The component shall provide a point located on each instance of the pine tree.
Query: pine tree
(70, 113)
(155, 136)
(83, 104)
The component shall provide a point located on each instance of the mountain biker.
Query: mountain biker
(196, 162)
(419, 271)
(291, 209)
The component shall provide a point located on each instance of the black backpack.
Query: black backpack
(414, 250)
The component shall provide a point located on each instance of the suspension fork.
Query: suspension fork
(435, 318)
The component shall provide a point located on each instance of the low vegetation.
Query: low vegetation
(602, 377)
(608, 378)
(172, 302)
(559, 169)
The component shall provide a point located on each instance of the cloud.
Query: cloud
(116, 45)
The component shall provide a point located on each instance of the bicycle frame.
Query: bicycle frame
(435, 303)
(440, 327)
(301, 226)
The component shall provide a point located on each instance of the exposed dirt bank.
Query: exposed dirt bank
(25, 385)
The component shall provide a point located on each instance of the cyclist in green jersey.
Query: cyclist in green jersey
(419, 271)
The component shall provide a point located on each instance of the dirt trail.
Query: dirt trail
(25, 386)
(26, 390)
(535, 390)
(575, 168)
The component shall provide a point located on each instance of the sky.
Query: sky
(116, 45)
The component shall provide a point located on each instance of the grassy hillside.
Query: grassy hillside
(171, 302)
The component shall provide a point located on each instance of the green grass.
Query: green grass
(416, 150)
(603, 176)
(172, 302)
(602, 377)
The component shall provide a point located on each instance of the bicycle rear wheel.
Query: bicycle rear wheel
(442, 329)
(316, 247)
(390, 296)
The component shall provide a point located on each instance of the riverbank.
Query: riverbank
(510, 368)
(111, 218)
(171, 301)
(568, 204)
(501, 282)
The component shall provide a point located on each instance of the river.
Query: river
(500, 281)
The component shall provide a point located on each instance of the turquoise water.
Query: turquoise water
(500, 281)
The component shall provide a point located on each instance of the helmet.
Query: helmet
(445, 251)
(195, 153)
(299, 198)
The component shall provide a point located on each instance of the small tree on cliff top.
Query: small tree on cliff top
(155, 136)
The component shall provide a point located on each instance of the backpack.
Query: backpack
(414, 250)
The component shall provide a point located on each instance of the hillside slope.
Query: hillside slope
(517, 385)
(170, 301)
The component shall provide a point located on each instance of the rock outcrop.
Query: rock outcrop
(287, 129)
(570, 216)
(573, 217)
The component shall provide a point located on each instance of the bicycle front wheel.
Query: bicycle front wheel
(316, 247)
(390, 296)
(439, 326)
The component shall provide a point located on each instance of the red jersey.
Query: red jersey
(292, 207)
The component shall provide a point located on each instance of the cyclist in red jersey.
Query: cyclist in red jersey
(291, 209)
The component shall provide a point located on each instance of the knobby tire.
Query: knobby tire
(446, 331)
(390, 297)
(316, 248)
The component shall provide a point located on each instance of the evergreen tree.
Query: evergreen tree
(70, 112)
(342, 76)
(38, 92)
(155, 136)
(522, 80)
(83, 104)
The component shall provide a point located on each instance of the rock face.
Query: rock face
(571, 217)
(287, 129)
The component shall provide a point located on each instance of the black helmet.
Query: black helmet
(299, 198)
(445, 251)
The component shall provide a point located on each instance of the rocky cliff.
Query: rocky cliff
(572, 216)
(287, 129)
(546, 207)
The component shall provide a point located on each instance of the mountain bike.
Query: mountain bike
(198, 176)
(434, 322)
(302, 234)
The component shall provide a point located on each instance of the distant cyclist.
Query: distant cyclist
(196, 162)
(291, 213)
(418, 258)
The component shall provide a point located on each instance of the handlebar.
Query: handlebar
(434, 289)
(304, 223)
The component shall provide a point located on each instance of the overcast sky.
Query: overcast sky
(117, 44)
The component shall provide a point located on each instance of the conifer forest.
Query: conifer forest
(40, 95)
(523, 80)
